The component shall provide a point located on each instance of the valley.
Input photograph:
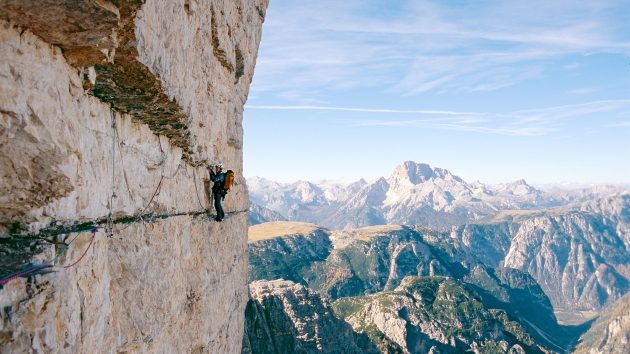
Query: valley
(509, 269)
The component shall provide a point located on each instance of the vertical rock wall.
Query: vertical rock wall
(113, 108)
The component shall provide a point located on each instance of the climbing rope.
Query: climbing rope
(109, 229)
(23, 273)
(158, 189)
(48, 264)
(83, 255)
(196, 190)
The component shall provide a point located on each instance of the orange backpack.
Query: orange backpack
(229, 180)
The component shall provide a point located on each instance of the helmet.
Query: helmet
(219, 165)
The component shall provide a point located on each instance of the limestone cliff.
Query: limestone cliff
(110, 110)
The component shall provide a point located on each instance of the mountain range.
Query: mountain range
(414, 194)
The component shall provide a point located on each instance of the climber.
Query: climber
(218, 191)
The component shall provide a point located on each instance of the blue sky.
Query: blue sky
(492, 90)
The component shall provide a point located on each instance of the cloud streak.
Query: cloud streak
(364, 110)
(531, 122)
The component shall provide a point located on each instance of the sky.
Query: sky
(493, 91)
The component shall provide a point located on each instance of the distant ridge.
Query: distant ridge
(414, 193)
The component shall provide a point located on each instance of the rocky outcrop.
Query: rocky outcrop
(611, 332)
(284, 317)
(109, 111)
(374, 258)
(433, 314)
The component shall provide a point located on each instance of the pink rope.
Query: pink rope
(84, 253)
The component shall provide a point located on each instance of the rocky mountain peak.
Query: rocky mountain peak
(413, 172)
(517, 188)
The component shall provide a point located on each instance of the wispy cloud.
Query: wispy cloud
(582, 91)
(425, 46)
(531, 122)
(620, 124)
(365, 110)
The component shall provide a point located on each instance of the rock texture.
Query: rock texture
(155, 287)
(284, 317)
(109, 112)
(611, 332)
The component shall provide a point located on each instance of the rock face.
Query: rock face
(109, 112)
(577, 261)
(284, 317)
(159, 287)
(611, 332)
(579, 254)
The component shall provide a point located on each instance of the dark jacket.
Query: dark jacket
(219, 181)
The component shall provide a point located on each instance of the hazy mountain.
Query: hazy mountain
(580, 255)
(259, 214)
